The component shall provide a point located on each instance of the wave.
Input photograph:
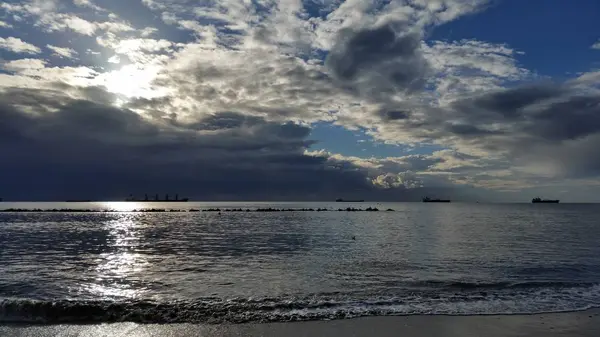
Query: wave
(499, 285)
(523, 298)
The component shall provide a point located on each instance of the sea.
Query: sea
(115, 263)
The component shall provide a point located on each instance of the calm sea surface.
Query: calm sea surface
(281, 266)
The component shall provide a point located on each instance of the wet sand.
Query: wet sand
(585, 323)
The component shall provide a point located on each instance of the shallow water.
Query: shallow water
(236, 267)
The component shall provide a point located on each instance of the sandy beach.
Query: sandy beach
(585, 323)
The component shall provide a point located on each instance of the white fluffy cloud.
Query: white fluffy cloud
(88, 4)
(596, 45)
(470, 66)
(47, 14)
(148, 31)
(17, 45)
(61, 22)
(62, 51)
(35, 73)
(24, 64)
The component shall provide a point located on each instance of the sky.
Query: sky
(491, 100)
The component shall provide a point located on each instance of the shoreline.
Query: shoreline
(575, 323)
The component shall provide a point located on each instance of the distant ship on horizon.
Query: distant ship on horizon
(157, 199)
(428, 199)
(349, 200)
(539, 200)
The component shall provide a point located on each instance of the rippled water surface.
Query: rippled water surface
(273, 266)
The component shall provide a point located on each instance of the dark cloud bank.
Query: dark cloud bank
(85, 149)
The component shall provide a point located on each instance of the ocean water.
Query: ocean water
(210, 267)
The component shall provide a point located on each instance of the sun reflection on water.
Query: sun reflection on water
(122, 206)
(118, 269)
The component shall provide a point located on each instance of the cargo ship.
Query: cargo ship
(344, 200)
(428, 199)
(157, 199)
(539, 200)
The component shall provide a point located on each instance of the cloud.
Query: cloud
(418, 175)
(396, 180)
(17, 45)
(471, 66)
(227, 155)
(114, 59)
(5, 25)
(544, 111)
(35, 73)
(543, 124)
(48, 15)
(88, 4)
(419, 14)
(507, 104)
(140, 50)
(596, 45)
(62, 22)
(379, 59)
(24, 64)
(410, 171)
(148, 31)
(127, 81)
(381, 76)
(241, 73)
(77, 24)
(62, 52)
(258, 82)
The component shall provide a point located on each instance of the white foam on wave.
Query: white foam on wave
(501, 301)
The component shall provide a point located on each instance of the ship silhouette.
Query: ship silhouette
(157, 199)
(348, 200)
(539, 200)
(428, 199)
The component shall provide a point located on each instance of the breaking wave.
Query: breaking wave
(442, 298)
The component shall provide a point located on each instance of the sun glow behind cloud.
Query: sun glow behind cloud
(132, 81)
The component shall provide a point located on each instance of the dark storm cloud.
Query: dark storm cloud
(394, 114)
(539, 125)
(574, 118)
(543, 113)
(509, 103)
(387, 57)
(53, 146)
(232, 120)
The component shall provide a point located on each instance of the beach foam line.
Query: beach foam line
(526, 299)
